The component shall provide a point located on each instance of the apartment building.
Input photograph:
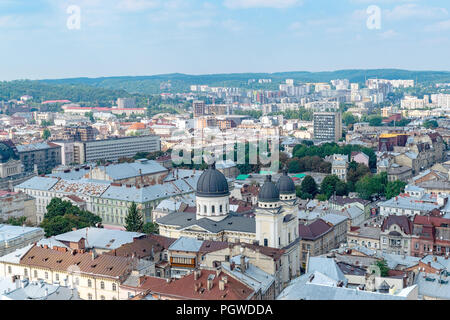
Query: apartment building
(395, 235)
(327, 126)
(45, 156)
(96, 277)
(16, 205)
(115, 148)
(431, 236)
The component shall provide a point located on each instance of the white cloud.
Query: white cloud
(195, 24)
(439, 26)
(389, 34)
(245, 4)
(138, 5)
(232, 25)
(412, 10)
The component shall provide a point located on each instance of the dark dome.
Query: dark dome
(285, 184)
(6, 153)
(269, 191)
(212, 183)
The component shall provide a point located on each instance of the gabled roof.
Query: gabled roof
(183, 288)
(402, 221)
(57, 260)
(314, 230)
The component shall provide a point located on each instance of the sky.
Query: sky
(39, 39)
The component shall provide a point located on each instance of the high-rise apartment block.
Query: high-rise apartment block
(123, 103)
(327, 126)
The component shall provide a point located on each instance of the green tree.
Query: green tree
(375, 121)
(133, 220)
(328, 186)
(46, 134)
(384, 269)
(322, 197)
(309, 186)
(369, 185)
(151, 228)
(348, 119)
(19, 221)
(394, 188)
(430, 124)
(62, 217)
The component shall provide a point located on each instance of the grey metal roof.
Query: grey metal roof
(41, 291)
(184, 220)
(334, 219)
(186, 244)
(328, 267)
(408, 203)
(302, 289)
(15, 256)
(432, 288)
(129, 170)
(99, 237)
(252, 276)
(9, 232)
(38, 183)
(35, 147)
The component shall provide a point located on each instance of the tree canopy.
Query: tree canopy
(134, 221)
(62, 217)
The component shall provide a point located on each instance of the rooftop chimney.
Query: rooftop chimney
(221, 285)
(243, 263)
(209, 284)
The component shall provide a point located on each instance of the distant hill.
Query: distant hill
(181, 82)
(102, 91)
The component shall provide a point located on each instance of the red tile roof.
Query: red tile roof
(402, 221)
(62, 260)
(431, 221)
(185, 288)
(314, 230)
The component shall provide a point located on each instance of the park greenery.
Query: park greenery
(62, 216)
(327, 149)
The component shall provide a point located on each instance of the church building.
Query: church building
(275, 223)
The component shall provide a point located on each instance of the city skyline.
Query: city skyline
(152, 37)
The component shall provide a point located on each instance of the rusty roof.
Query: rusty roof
(62, 260)
(184, 288)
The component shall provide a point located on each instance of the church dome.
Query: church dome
(285, 184)
(269, 191)
(6, 153)
(212, 183)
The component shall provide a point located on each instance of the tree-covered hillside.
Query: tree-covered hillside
(181, 82)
